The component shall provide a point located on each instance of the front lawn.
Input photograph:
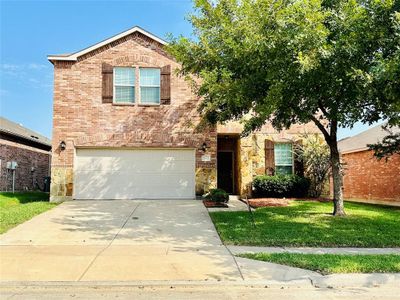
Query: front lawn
(333, 263)
(308, 223)
(19, 207)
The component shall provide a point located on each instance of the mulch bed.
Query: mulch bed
(265, 202)
(208, 203)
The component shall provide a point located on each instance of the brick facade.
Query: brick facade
(33, 166)
(367, 179)
(81, 119)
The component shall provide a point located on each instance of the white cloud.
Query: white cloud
(33, 74)
(22, 67)
(37, 66)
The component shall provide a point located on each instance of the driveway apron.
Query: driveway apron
(117, 240)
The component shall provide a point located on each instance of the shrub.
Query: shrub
(217, 195)
(279, 186)
(315, 155)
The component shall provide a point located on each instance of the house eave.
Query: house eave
(354, 150)
(74, 56)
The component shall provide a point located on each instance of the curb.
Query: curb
(155, 283)
(329, 281)
(357, 280)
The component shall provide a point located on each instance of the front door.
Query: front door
(225, 171)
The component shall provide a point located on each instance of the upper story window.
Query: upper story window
(124, 85)
(283, 154)
(149, 85)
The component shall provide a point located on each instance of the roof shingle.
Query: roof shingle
(360, 141)
(13, 128)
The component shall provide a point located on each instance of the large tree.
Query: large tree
(295, 61)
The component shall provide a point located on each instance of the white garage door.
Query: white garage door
(134, 174)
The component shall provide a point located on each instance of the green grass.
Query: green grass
(333, 263)
(307, 223)
(19, 207)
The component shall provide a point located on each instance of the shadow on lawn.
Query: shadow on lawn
(25, 197)
(311, 225)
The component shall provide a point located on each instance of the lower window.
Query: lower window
(283, 158)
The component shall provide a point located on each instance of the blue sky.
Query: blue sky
(30, 30)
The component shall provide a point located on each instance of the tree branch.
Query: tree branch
(333, 129)
(321, 127)
(322, 108)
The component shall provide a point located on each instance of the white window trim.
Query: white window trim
(286, 165)
(145, 86)
(123, 85)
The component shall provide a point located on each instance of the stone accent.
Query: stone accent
(61, 183)
(369, 180)
(252, 155)
(33, 166)
(206, 179)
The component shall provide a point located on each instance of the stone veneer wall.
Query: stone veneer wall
(33, 166)
(82, 120)
(251, 148)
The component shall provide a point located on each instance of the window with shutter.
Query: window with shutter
(283, 158)
(107, 83)
(149, 85)
(269, 157)
(166, 85)
(124, 85)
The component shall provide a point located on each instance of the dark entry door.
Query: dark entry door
(225, 171)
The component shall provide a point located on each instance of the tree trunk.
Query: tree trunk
(331, 140)
(337, 180)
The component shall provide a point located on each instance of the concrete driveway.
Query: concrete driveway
(121, 240)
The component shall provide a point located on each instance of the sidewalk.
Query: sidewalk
(311, 250)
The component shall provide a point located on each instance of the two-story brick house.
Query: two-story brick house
(125, 127)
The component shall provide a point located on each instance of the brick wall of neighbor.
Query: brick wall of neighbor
(82, 120)
(368, 180)
(27, 158)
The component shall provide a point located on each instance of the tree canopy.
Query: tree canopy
(294, 61)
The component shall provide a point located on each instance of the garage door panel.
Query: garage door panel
(112, 188)
(138, 167)
(127, 179)
(134, 174)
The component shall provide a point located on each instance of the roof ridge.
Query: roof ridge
(74, 56)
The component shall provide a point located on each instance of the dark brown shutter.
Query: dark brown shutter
(107, 85)
(165, 85)
(298, 162)
(269, 157)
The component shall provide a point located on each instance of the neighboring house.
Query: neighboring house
(367, 179)
(129, 124)
(30, 150)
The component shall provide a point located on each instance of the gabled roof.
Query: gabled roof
(12, 128)
(74, 56)
(360, 141)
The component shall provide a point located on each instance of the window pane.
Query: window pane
(283, 154)
(124, 94)
(124, 76)
(283, 170)
(150, 95)
(149, 77)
